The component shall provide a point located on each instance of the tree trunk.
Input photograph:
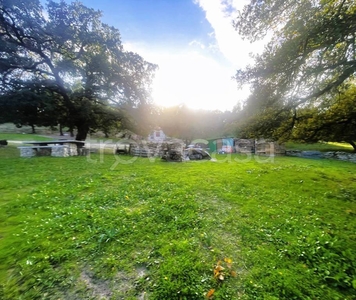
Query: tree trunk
(71, 131)
(82, 132)
(61, 130)
(353, 145)
(33, 128)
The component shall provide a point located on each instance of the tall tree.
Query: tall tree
(334, 120)
(30, 106)
(309, 60)
(71, 53)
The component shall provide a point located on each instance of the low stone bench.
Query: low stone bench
(58, 148)
(54, 150)
(84, 151)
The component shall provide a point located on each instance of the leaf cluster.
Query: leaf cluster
(66, 50)
(310, 57)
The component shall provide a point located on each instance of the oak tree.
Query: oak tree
(309, 62)
(68, 51)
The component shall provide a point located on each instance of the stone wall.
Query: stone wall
(269, 148)
(339, 155)
(56, 151)
(244, 145)
(156, 149)
(260, 147)
(27, 152)
(345, 156)
(73, 149)
(60, 151)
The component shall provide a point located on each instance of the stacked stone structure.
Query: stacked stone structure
(265, 147)
(156, 149)
(244, 145)
(56, 149)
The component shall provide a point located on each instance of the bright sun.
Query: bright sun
(195, 80)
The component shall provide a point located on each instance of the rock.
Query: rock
(339, 155)
(297, 153)
(171, 149)
(311, 154)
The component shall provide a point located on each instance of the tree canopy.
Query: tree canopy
(64, 56)
(302, 85)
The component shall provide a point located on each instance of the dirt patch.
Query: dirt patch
(126, 283)
(122, 285)
(99, 288)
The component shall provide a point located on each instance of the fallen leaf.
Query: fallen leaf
(216, 273)
(210, 293)
(219, 268)
(228, 260)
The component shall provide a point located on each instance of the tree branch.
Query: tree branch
(345, 75)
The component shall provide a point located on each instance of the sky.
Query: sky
(193, 43)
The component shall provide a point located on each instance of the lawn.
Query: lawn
(23, 137)
(321, 146)
(116, 227)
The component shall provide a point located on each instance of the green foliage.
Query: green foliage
(76, 228)
(303, 83)
(323, 147)
(69, 62)
(28, 107)
(334, 120)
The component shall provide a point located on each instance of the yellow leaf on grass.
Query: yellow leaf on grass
(210, 293)
(233, 273)
(219, 268)
(228, 260)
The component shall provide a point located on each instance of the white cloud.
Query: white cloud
(220, 14)
(197, 43)
(197, 75)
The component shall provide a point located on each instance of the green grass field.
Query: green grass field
(116, 227)
(23, 137)
(323, 147)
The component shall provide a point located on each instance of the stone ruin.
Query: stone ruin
(270, 148)
(56, 151)
(338, 155)
(244, 145)
(171, 148)
(260, 147)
